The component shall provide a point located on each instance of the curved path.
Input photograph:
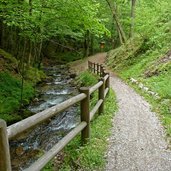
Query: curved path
(137, 142)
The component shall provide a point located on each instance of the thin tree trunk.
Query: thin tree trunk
(87, 44)
(1, 32)
(133, 2)
(30, 54)
(31, 7)
(22, 72)
(39, 54)
(92, 45)
(121, 33)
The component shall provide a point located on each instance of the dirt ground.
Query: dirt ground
(137, 141)
(81, 65)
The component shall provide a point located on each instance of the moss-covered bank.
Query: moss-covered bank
(11, 88)
(148, 60)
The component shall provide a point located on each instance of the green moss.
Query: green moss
(10, 96)
(8, 56)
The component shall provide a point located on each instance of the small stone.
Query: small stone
(36, 100)
(145, 89)
(140, 85)
(19, 151)
(133, 80)
(73, 75)
(151, 93)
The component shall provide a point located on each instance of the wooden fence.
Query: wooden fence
(7, 133)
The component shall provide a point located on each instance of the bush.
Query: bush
(87, 79)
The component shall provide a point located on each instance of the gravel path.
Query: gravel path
(137, 142)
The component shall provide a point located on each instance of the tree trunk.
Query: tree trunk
(22, 72)
(92, 45)
(31, 7)
(40, 55)
(87, 44)
(133, 2)
(121, 33)
(1, 32)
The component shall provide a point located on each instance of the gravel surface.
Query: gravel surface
(137, 142)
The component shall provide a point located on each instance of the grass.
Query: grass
(147, 59)
(92, 155)
(160, 83)
(10, 97)
(87, 79)
(161, 106)
(10, 88)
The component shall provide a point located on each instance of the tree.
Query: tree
(132, 17)
(121, 33)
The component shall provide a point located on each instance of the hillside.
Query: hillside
(148, 70)
(11, 88)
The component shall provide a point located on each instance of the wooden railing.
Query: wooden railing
(7, 133)
(97, 68)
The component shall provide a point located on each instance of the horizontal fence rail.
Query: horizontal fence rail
(7, 133)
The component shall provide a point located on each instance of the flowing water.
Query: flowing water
(26, 148)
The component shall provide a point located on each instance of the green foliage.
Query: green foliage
(87, 79)
(68, 56)
(34, 75)
(150, 64)
(8, 57)
(10, 96)
(124, 53)
(67, 18)
(48, 167)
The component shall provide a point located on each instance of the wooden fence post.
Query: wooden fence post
(89, 65)
(101, 70)
(98, 69)
(5, 162)
(94, 67)
(101, 96)
(85, 115)
(108, 81)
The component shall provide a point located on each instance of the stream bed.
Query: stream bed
(29, 146)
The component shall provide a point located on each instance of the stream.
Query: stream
(29, 146)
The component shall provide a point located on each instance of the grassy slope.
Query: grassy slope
(149, 61)
(10, 93)
(10, 88)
